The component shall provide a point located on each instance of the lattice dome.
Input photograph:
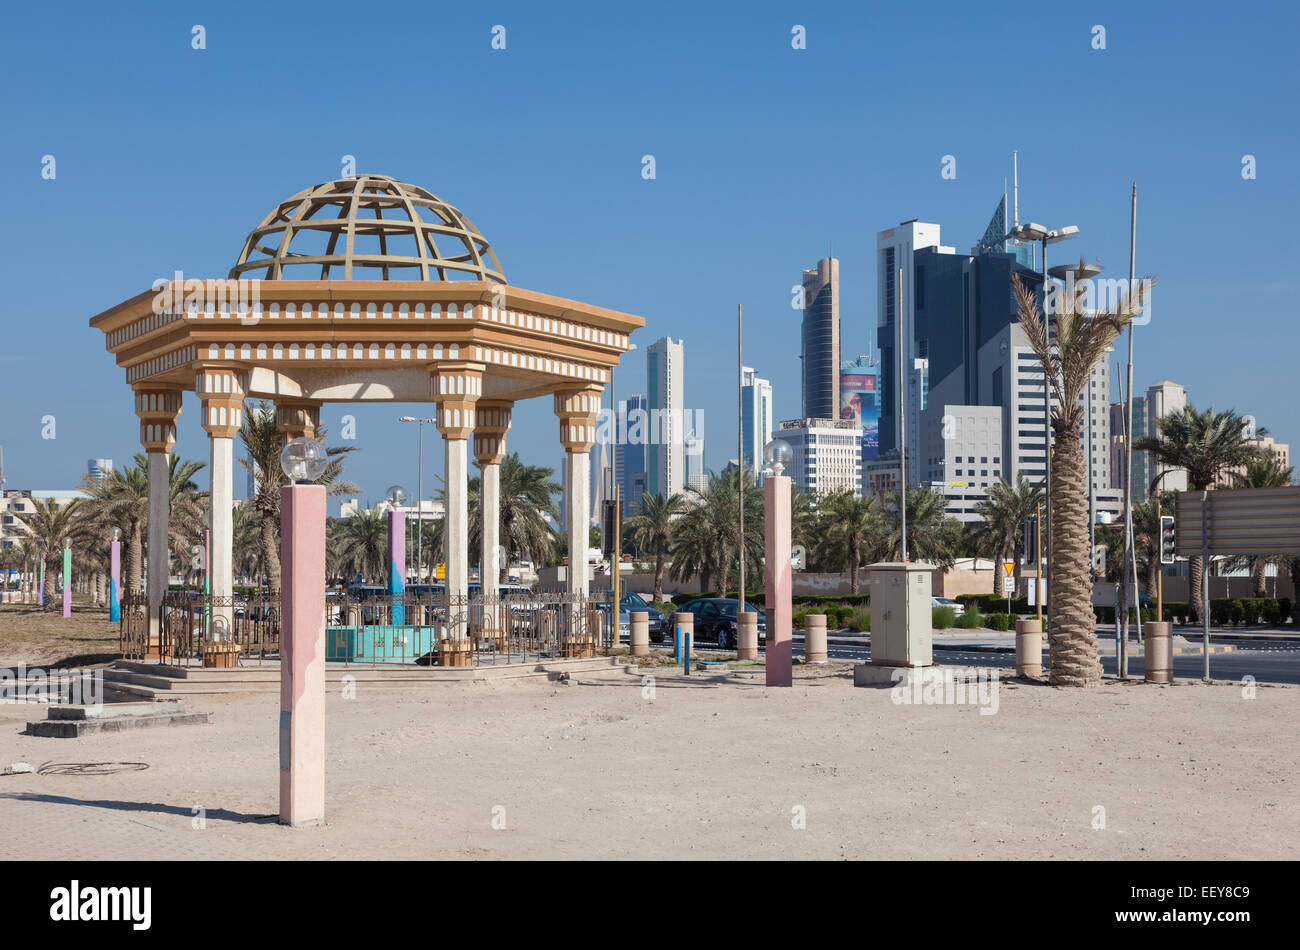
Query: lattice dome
(367, 227)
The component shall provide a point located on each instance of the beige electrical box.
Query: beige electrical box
(901, 633)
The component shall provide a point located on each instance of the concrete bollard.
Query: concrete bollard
(639, 634)
(1159, 654)
(747, 636)
(683, 631)
(814, 638)
(1029, 648)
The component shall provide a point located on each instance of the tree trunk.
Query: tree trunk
(1258, 581)
(854, 556)
(134, 558)
(659, 575)
(270, 554)
(1072, 628)
(1196, 568)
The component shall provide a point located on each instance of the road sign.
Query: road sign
(1240, 521)
(1008, 585)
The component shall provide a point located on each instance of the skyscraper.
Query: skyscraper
(629, 451)
(99, 469)
(820, 334)
(665, 384)
(860, 401)
(895, 250)
(755, 417)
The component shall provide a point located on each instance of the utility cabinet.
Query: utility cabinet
(901, 631)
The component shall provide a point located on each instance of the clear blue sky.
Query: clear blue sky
(167, 157)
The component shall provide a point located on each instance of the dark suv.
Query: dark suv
(715, 619)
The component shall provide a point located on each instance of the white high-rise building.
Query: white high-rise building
(825, 454)
(99, 469)
(755, 417)
(665, 388)
(1164, 398)
(894, 250)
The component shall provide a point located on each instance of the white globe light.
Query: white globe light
(776, 455)
(395, 496)
(303, 460)
(117, 534)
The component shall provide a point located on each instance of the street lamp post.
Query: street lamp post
(1045, 236)
(419, 494)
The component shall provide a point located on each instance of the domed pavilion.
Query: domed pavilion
(363, 289)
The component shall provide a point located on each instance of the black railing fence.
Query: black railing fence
(363, 627)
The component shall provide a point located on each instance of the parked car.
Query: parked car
(715, 619)
(632, 601)
(957, 608)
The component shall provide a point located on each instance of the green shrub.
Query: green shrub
(941, 618)
(1272, 613)
(999, 622)
(1175, 611)
(1105, 614)
(1284, 607)
(971, 619)
(1219, 612)
(797, 616)
(861, 621)
(1236, 611)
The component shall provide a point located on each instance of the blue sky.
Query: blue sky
(167, 156)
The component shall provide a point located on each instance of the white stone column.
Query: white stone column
(158, 554)
(577, 517)
(158, 409)
(492, 420)
(577, 411)
(222, 393)
(456, 388)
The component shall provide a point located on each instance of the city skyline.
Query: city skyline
(1194, 137)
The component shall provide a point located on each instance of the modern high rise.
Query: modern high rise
(629, 451)
(1163, 398)
(99, 469)
(896, 249)
(755, 417)
(820, 333)
(696, 477)
(665, 385)
(826, 454)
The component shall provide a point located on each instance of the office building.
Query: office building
(629, 451)
(826, 454)
(665, 386)
(967, 456)
(820, 335)
(696, 477)
(755, 417)
(99, 469)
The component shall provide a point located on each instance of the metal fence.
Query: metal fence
(365, 627)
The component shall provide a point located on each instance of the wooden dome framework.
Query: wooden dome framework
(362, 223)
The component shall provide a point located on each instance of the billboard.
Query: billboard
(858, 402)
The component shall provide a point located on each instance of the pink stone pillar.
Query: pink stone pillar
(778, 579)
(302, 655)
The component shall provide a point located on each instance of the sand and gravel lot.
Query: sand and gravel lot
(707, 767)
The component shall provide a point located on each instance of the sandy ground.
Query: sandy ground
(717, 767)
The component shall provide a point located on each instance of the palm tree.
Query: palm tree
(49, 524)
(1204, 444)
(360, 544)
(263, 442)
(850, 528)
(653, 529)
(707, 538)
(931, 534)
(1069, 345)
(1004, 511)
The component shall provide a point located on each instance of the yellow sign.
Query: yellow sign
(1008, 566)
(440, 572)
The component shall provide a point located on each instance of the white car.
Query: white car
(957, 608)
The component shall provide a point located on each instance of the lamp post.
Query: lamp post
(114, 575)
(1045, 236)
(419, 493)
(302, 640)
(778, 579)
(395, 497)
(67, 577)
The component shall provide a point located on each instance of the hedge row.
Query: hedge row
(1224, 611)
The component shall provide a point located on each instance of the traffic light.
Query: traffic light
(1031, 539)
(1168, 543)
(609, 527)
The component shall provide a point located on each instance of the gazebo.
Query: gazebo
(363, 289)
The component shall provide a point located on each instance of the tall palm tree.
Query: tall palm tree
(653, 530)
(263, 442)
(1069, 344)
(1003, 512)
(49, 524)
(1204, 444)
(707, 538)
(849, 530)
(931, 534)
